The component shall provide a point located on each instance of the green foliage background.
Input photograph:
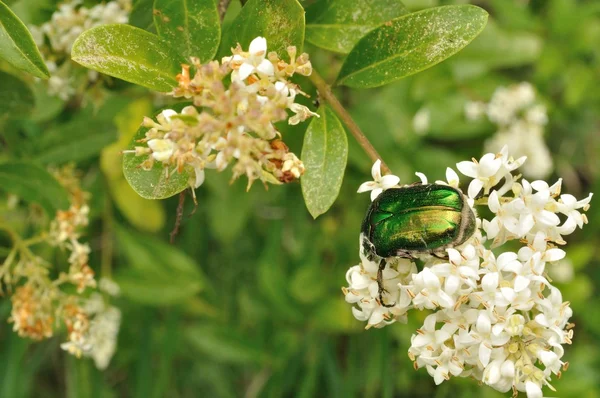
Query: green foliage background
(247, 302)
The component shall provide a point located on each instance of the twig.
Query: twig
(326, 93)
(222, 7)
(178, 217)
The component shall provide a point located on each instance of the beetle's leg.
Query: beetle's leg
(440, 255)
(382, 265)
(404, 254)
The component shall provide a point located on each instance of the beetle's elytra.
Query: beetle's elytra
(417, 219)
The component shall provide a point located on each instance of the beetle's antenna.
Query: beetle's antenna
(382, 265)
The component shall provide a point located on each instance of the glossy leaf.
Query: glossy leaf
(409, 44)
(337, 25)
(129, 53)
(17, 46)
(324, 154)
(281, 22)
(191, 26)
(33, 183)
(16, 98)
(154, 183)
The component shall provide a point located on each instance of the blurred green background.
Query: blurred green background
(247, 302)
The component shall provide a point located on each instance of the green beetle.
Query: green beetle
(416, 219)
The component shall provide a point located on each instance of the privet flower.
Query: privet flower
(496, 316)
(55, 39)
(231, 124)
(520, 120)
(39, 304)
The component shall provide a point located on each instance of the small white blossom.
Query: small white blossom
(379, 183)
(496, 316)
(254, 61)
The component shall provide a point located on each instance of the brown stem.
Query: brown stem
(178, 217)
(222, 7)
(326, 93)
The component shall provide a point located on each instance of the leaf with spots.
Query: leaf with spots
(281, 22)
(17, 46)
(191, 26)
(410, 44)
(154, 183)
(129, 53)
(324, 154)
(337, 25)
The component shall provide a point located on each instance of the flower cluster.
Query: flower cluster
(495, 314)
(520, 120)
(55, 39)
(231, 123)
(39, 303)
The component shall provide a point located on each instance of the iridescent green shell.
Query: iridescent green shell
(424, 218)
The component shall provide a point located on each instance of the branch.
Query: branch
(326, 93)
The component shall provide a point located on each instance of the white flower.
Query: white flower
(255, 62)
(162, 149)
(421, 121)
(503, 322)
(379, 183)
(474, 109)
(481, 171)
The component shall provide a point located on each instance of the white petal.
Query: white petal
(376, 170)
(258, 45)
(489, 282)
(533, 390)
(199, 177)
(554, 255)
(484, 354)
(452, 177)
(367, 186)
(266, 68)
(422, 177)
(245, 70)
(375, 193)
(521, 283)
(389, 181)
(494, 202)
(484, 323)
(474, 188)
(467, 168)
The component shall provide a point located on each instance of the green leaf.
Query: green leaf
(223, 344)
(141, 15)
(75, 141)
(409, 44)
(281, 22)
(154, 183)
(158, 273)
(33, 184)
(16, 97)
(337, 25)
(192, 26)
(17, 46)
(324, 154)
(129, 53)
